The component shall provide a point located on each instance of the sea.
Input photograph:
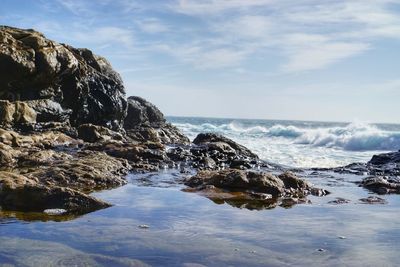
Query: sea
(303, 144)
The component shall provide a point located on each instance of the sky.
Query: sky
(331, 60)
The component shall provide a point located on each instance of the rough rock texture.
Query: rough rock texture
(393, 157)
(214, 151)
(34, 68)
(382, 184)
(18, 192)
(145, 122)
(242, 187)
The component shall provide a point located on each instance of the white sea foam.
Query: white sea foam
(353, 137)
(304, 144)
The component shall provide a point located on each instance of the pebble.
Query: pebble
(143, 226)
(321, 249)
(342, 237)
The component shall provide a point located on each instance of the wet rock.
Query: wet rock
(236, 180)
(223, 144)
(21, 193)
(250, 188)
(94, 133)
(141, 112)
(15, 113)
(34, 68)
(373, 200)
(339, 200)
(392, 157)
(49, 111)
(86, 171)
(382, 184)
(145, 122)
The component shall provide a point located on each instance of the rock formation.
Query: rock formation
(85, 86)
(66, 130)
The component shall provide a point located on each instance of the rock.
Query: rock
(35, 68)
(86, 171)
(145, 122)
(141, 113)
(382, 184)
(292, 181)
(14, 113)
(6, 156)
(222, 144)
(373, 200)
(94, 133)
(49, 111)
(239, 181)
(392, 157)
(20, 193)
(339, 200)
(250, 189)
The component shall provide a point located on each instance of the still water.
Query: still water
(154, 223)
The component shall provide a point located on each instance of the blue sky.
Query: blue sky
(274, 59)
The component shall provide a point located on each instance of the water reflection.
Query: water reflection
(187, 229)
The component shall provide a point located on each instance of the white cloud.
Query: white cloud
(104, 36)
(327, 32)
(152, 25)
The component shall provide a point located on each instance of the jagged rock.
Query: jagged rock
(20, 193)
(49, 111)
(145, 122)
(382, 184)
(223, 144)
(236, 180)
(142, 113)
(6, 156)
(392, 157)
(86, 171)
(34, 68)
(94, 133)
(252, 190)
(14, 113)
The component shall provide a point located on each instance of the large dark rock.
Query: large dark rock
(380, 159)
(145, 122)
(20, 193)
(223, 144)
(85, 85)
(142, 113)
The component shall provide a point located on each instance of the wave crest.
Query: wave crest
(352, 137)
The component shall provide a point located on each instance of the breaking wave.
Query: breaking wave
(351, 137)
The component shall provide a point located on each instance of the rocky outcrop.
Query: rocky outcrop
(214, 151)
(252, 187)
(145, 122)
(386, 158)
(84, 85)
(20, 193)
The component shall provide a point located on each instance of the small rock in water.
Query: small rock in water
(339, 200)
(373, 200)
(55, 211)
(144, 226)
(321, 250)
(342, 237)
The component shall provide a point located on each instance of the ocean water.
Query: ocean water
(301, 143)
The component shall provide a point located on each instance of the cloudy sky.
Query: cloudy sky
(335, 60)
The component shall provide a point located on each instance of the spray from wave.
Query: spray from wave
(352, 137)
